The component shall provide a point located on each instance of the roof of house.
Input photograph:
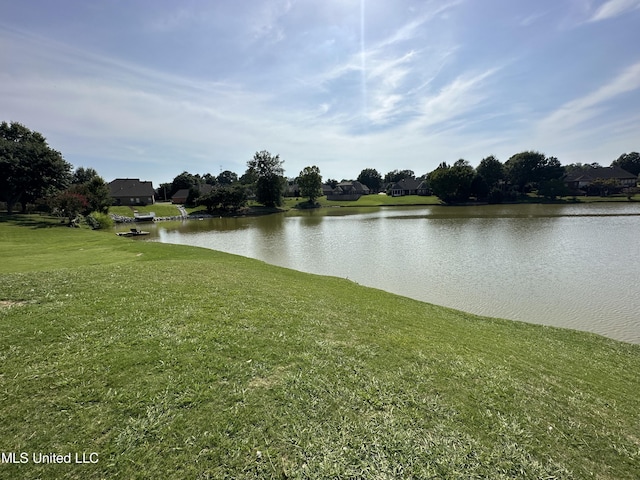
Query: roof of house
(350, 187)
(204, 189)
(407, 184)
(182, 193)
(603, 173)
(130, 187)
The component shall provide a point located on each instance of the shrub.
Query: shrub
(99, 220)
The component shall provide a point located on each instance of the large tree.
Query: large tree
(29, 168)
(227, 177)
(83, 175)
(531, 168)
(371, 178)
(452, 183)
(269, 174)
(491, 170)
(629, 162)
(397, 175)
(310, 183)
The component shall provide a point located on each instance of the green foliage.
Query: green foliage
(629, 162)
(183, 181)
(553, 188)
(371, 178)
(492, 170)
(69, 204)
(227, 177)
(603, 187)
(83, 175)
(100, 220)
(397, 175)
(495, 195)
(310, 183)
(530, 168)
(229, 198)
(270, 182)
(452, 184)
(29, 168)
(95, 190)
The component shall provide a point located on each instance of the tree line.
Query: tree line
(491, 181)
(31, 172)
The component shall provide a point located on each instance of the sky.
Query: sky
(151, 88)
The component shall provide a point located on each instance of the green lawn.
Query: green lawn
(178, 362)
(160, 209)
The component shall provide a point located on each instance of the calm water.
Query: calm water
(575, 266)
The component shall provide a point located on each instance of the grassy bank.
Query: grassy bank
(178, 362)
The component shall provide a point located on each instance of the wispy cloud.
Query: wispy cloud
(459, 97)
(614, 8)
(267, 21)
(592, 105)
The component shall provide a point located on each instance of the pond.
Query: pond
(574, 266)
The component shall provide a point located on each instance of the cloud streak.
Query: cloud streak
(614, 8)
(581, 110)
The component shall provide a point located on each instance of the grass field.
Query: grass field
(177, 362)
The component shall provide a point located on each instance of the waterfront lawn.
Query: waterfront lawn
(160, 209)
(178, 362)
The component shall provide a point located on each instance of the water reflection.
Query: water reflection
(572, 266)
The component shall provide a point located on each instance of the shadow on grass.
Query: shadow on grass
(32, 220)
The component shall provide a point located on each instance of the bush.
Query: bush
(495, 195)
(99, 220)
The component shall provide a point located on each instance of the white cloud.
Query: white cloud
(459, 97)
(581, 110)
(614, 8)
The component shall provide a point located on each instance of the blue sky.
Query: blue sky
(150, 88)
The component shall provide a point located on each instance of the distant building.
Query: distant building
(350, 190)
(409, 186)
(584, 177)
(181, 196)
(131, 191)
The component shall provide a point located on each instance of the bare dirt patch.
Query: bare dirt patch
(11, 303)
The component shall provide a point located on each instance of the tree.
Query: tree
(163, 191)
(397, 175)
(629, 162)
(553, 188)
(492, 170)
(97, 194)
(70, 204)
(83, 175)
(227, 177)
(530, 168)
(29, 168)
(371, 178)
(229, 197)
(452, 184)
(184, 181)
(310, 183)
(270, 182)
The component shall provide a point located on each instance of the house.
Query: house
(348, 190)
(292, 190)
(582, 178)
(131, 191)
(181, 196)
(409, 186)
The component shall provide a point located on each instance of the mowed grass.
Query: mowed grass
(179, 362)
(163, 209)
